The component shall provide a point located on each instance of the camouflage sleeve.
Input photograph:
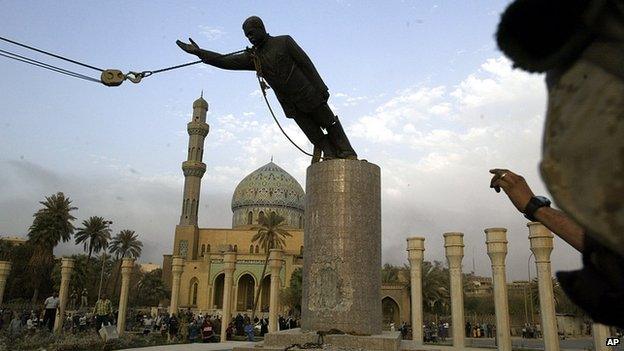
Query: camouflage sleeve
(305, 64)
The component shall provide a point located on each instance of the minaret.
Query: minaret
(193, 167)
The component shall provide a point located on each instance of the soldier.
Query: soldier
(297, 85)
(580, 47)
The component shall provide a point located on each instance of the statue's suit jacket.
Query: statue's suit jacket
(287, 69)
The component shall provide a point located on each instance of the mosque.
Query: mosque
(267, 189)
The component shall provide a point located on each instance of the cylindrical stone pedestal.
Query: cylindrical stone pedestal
(341, 265)
(541, 241)
(5, 269)
(275, 263)
(454, 246)
(496, 241)
(126, 270)
(177, 266)
(415, 255)
(229, 262)
(67, 266)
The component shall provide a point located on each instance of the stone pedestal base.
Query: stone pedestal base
(387, 341)
(342, 243)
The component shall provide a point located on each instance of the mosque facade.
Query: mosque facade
(267, 189)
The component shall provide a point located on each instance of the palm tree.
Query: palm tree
(125, 244)
(270, 235)
(6, 250)
(389, 274)
(94, 235)
(434, 285)
(52, 224)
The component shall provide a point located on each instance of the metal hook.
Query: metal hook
(134, 77)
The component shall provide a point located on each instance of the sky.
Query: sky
(420, 87)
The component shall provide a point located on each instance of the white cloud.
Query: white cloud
(435, 146)
(211, 33)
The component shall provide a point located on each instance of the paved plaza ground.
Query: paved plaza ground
(573, 344)
(218, 346)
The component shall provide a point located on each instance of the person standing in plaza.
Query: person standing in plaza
(102, 311)
(51, 304)
(84, 302)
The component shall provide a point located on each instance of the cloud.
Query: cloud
(435, 145)
(211, 33)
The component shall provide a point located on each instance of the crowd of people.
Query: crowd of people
(480, 330)
(186, 326)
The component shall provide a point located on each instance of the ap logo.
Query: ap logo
(613, 341)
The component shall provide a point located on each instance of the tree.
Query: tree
(6, 250)
(435, 281)
(390, 274)
(150, 289)
(94, 235)
(270, 235)
(125, 244)
(291, 296)
(52, 224)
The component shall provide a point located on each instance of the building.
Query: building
(267, 189)
(14, 240)
(148, 267)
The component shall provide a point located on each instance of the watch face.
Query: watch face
(543, 200)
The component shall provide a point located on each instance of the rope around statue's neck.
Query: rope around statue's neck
(263, 88)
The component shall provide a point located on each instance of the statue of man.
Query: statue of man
(297, 85)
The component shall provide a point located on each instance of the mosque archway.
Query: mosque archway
(245, 296)
(390, 312)
(217, 300)
(193, 291)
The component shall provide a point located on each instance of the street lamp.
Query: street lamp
(103, 262)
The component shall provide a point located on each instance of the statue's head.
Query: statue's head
(254, 30)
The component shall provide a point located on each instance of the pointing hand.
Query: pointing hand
(191, 48)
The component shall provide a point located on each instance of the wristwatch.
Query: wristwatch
(535, 203)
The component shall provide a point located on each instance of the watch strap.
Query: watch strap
(534, 204)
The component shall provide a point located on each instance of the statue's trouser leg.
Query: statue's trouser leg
(316, 136)
(325, 118)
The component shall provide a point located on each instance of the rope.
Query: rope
(263, 87)
(51, 54)
(276, 121)
(320, 340)
(149, 73)
(33, 62)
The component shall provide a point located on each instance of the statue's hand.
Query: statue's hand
(191, 48)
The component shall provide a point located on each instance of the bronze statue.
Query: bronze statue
(297, 85)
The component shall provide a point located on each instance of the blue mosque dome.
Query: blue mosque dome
(268, 189)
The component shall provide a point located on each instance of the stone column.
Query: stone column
(126, 270)
(5, 269)
(342, 240)
(496, 241)
(601, 332)
(275, 262)
(415, 254)
(177, 266)
(229, 261)
(454, 246)
(541, 240)
(67, 266)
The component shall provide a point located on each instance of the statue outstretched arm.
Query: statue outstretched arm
(304, 62)
(241, 61)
